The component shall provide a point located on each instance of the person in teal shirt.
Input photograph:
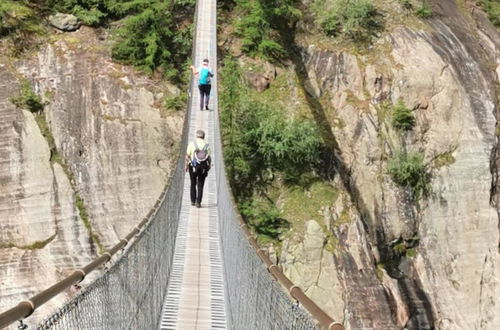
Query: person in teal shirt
(204, 81)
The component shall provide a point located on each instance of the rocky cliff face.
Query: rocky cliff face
(114, 147)
(448, 275)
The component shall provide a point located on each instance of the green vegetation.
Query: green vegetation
(259, 139)
(405, 248)
(409, 170)
(47, 134)
(16, 16)
(301, 203)
(402, 118)
(33, 246)
(258, 25)
(27, 99)
(423, 10)
(356, 19)
(176, 103)
(80, 205)
(153, 35)
(82, 210)
(411, 252)
(492, 8)
(18, 22)
(406, 4)
(444, 159)
(261, 145)
(265, 218)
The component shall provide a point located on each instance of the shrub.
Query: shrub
(264, 218)
(20, 24)
(492, 8)
(150, 40)
(91, 17)
(27, 99)
(176, 103)
(259, 25)
(13, 15)
(406, 4)
(409, 170)
(356, 19)
(424, 10)
(402, 118)
(258, 139)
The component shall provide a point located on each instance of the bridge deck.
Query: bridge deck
(195, 297)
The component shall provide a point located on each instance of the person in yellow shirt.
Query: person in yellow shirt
(198, 162)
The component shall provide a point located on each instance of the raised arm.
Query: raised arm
(195, 71)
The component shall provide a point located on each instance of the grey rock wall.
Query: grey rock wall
(446, 75)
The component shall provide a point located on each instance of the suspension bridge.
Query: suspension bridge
(184, 267)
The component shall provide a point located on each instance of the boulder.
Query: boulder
(64, 22)
(257, 80)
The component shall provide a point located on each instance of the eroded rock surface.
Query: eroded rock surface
(445, 75)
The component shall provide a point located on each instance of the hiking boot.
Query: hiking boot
(198, 205)
(192, 203)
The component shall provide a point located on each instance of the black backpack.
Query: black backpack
(201, 159)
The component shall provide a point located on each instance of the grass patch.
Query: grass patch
(28, 99)
(33, 246)
(423, 10)
(383, 111)
(412, 252)
(443, 159)
(299, 204)
(405, 248)
(176, 103)
(265, 219)
(343, 218)
(80, 205)
(84, 215)
(492, 8)
(379, 271)
(402, 118)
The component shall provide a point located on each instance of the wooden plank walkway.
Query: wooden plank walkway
(195, 297)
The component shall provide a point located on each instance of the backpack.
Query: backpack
(201, 159)
(205, 75)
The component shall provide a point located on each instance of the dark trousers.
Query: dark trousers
(204, 94)
(197, 182)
